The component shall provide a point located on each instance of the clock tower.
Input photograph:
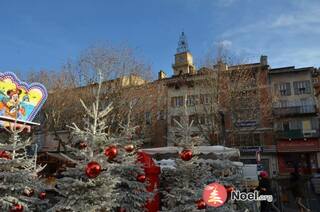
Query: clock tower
(183, 60)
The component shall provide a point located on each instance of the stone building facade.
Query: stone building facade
(296, 120)
(249, 106)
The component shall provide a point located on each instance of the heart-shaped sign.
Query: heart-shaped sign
(19, 100)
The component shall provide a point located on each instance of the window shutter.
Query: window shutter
(295, 88)
(288, 88)
(306, 124)
(308, 89)
(276, 91)
(314, 124)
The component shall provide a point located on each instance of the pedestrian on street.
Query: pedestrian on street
(264, 189)
(296, 187)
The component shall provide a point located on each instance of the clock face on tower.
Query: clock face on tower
(180, 59)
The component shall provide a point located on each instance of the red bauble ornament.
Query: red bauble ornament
(16, 208)
(129, 147)
(4, 154)
(93, 169)
(28, 192)
(111, 152)
(42, 195)
(83, 145)
(201, 204)
(122, 210)
(229, 189)
(186, 154)
(141, 178)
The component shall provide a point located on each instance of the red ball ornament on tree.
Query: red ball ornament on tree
(122, 210)
(129, 147)
(141, 178)
(42, 195)
(201, 204)
(93, 169)
(186, 154)
(83, 145)
(229, 189)
(111, 152)
(16, 208)
(4, 154)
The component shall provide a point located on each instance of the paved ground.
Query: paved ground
(312, 201)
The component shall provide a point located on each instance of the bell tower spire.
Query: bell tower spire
(182, 44)
(183, 60)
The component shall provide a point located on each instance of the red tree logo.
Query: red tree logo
(214, 195)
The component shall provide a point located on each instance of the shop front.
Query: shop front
(268, 161)
(301, 154)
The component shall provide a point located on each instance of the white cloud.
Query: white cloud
(284, 20)
(287, 20)
(288, 38)
(226, 43)
(300, 21)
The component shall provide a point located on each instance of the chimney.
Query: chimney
(221, 66)
(161, 75)
(264, 60)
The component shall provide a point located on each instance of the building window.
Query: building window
(249, 140)
(204, 119)
(205, 99)
(302, 87)
(295, 124)
(285, 89)
(191, 100)
(160, 115)
(286, 126)
(306, 125)
(283, 103)
(256, 139)
(174, 119)
(177, 101)
(148, 118)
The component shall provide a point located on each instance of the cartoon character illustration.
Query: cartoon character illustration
(18, 99)
(11, 105)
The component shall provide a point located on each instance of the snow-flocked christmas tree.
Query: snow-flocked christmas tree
(20, 187)
(183, 185)
(107, 175)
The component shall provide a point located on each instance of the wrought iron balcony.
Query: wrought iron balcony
(297, 134)
(294, 110)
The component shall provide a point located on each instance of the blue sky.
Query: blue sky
(44, 34)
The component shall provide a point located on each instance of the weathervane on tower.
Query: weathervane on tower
(183, 44)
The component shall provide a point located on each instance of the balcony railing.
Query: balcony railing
(297, 134)
(294, 110)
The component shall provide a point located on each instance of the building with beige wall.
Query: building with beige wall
(296, 120)
(249, 106)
